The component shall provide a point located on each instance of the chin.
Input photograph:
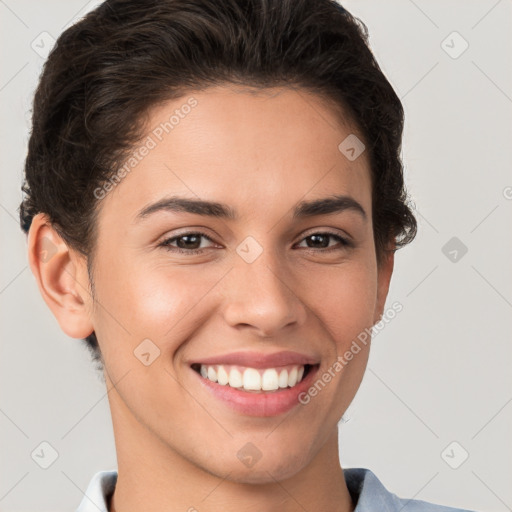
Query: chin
(280, 465)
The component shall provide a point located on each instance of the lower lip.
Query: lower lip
(260, 404)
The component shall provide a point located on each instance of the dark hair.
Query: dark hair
(126, 56)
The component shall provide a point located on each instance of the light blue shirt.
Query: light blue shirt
(365, 488)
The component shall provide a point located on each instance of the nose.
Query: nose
(262, 297)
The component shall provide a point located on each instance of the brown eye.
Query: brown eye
(319, 241)
(322, 241)
(189, 243)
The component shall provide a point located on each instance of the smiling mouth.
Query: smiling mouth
(254, 380)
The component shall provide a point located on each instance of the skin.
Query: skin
(261, 154)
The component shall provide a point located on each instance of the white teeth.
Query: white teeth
(235, 379)
(270, 380)
(212, 374)
(283, 379)
(252, 379)
(222, 376)
(292, 378)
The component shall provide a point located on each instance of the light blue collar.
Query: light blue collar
(364, 487)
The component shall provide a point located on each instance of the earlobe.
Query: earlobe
(61, 276)
(385, 271)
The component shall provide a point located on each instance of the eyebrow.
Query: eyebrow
(323, 206)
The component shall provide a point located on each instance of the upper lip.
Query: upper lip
(260, 359)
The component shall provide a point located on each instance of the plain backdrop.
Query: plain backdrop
(433, 416)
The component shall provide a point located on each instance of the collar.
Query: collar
(364, 487)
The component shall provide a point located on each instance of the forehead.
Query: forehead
(245, 147)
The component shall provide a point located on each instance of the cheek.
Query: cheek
(154, 302)
(343, 298)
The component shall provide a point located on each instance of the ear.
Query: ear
(61, 275)
(384, 272)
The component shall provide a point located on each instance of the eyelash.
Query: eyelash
(344, 243)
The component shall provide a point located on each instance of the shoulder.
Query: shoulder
(366, 490)
(99, 490)
(370, 495)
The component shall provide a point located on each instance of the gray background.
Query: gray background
(439, 373)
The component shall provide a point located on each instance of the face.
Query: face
(257, 285)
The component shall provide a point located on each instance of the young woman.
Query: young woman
(214, 195)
